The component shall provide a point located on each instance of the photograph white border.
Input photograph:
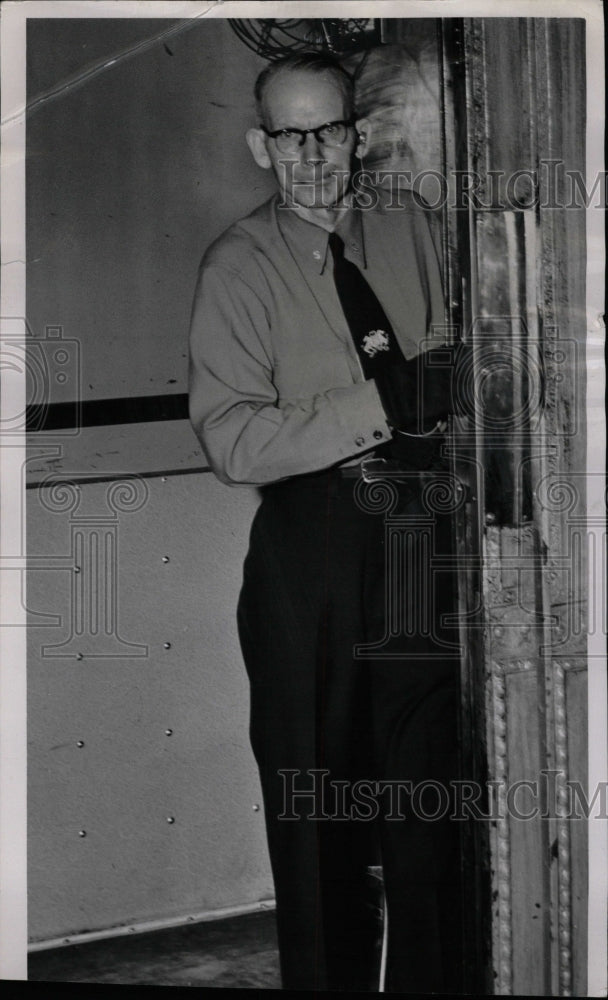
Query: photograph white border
(13, 806)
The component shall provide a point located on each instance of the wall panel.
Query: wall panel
(130, 776)
(132, 170)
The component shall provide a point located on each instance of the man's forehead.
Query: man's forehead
(296, 90)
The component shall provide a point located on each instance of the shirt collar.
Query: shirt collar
(309, 242)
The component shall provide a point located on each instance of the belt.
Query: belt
(372, 468)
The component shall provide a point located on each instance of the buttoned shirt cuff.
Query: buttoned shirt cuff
(362, 417)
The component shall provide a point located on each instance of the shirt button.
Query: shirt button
(316, 254)
(360, 441)
(378, 435)
(354, 246)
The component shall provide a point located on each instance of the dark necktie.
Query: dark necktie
(377, 347)
(370, 329)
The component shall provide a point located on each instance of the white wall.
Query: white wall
(129, 777)
(132, 170)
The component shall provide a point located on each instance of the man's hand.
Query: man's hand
(417, 395)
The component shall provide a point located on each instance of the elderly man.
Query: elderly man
(309, 319)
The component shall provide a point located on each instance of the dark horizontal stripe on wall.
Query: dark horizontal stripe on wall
(96, 412)
(88, 480)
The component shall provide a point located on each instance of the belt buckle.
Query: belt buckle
(372, 468)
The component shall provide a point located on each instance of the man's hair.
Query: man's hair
(308, 62)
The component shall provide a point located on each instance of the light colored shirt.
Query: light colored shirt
(276, 385)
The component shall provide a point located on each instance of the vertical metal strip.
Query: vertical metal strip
(517, 333)
(564, 876)
(496, 716)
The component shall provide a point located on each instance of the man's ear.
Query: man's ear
(256, 140)
(364, 127)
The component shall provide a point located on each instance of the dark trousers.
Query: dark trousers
(356, 748)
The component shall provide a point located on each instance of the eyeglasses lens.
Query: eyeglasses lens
(333, 134)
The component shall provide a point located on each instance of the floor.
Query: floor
(239, 952)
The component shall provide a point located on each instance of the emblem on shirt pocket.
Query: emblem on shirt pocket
(374, 341)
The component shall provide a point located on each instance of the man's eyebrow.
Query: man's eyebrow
(295, 128)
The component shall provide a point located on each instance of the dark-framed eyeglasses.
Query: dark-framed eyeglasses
(289, 140)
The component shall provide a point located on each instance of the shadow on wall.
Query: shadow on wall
(398, 90)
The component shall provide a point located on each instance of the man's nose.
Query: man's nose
(313, 150)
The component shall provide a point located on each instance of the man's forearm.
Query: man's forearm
(253, 443)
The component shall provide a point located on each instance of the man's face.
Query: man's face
(316, 175)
